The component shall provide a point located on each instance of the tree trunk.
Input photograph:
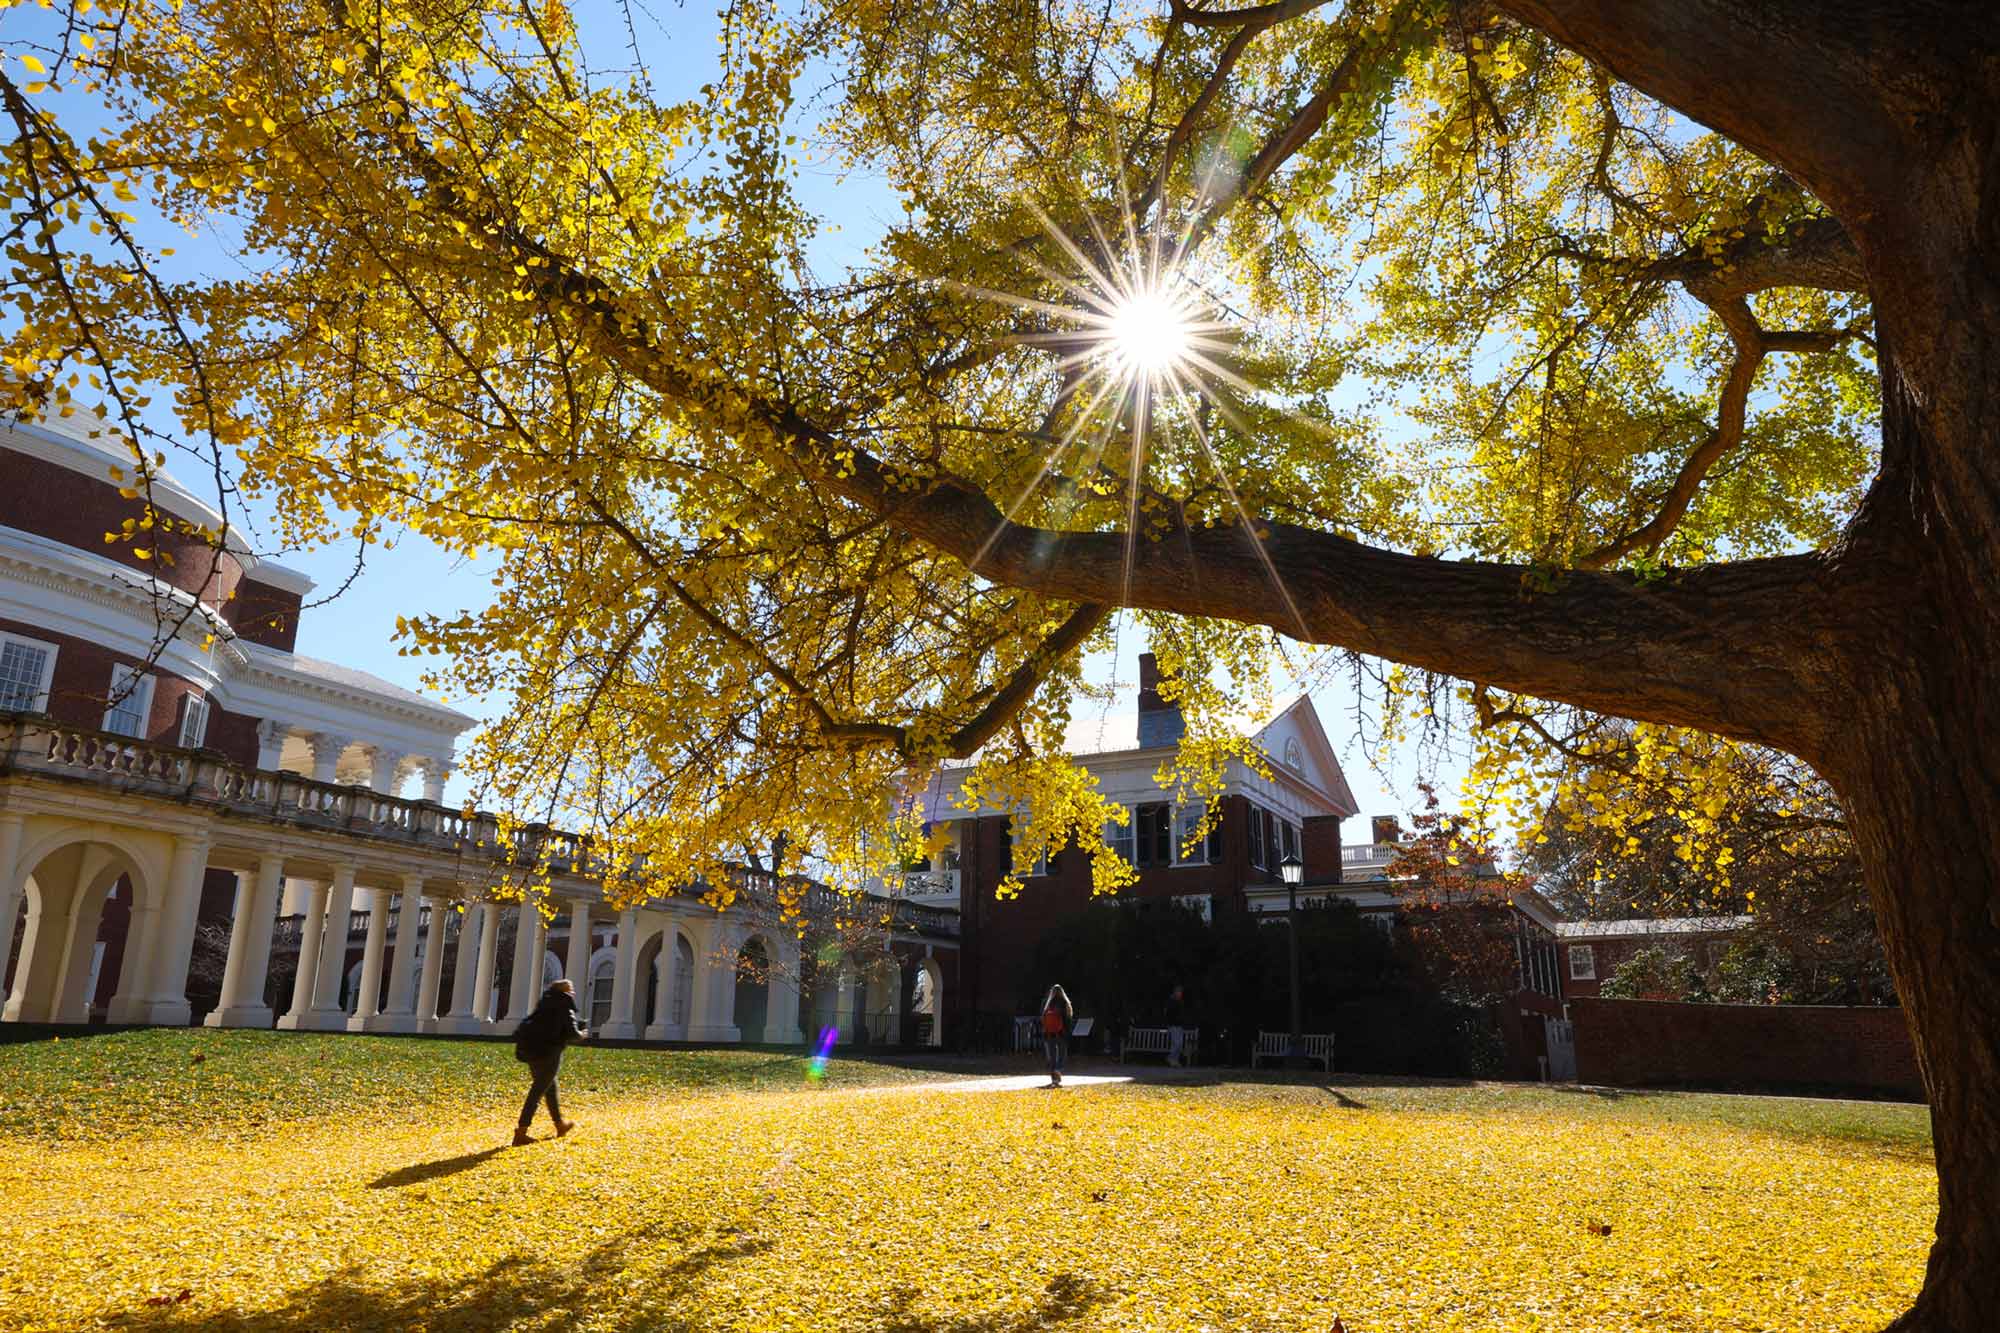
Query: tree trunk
(1925, 806)
(1915, 759)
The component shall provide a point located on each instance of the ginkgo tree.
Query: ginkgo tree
(1635, 358)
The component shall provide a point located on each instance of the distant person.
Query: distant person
(539, 1044)
(1176, 1029)
(1057, 1015)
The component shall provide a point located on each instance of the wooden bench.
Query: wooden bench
(1158, 1041)
(1278, 1046)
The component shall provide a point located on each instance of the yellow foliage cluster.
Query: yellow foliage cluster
(911, 1206)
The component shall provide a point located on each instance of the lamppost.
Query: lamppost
(1292, 870)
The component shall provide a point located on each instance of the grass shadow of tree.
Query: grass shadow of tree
(618, 1285)
(1066, 1298)
(548, 1293)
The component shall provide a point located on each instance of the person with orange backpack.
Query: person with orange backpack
(1057, 1015)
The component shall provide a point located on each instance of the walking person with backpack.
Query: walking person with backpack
(539, 1044)
(1057, 1015)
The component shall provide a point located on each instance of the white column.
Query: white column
(436, 770)
(661, 1028)
(489, 962)
(72, 1002)
(620, 1025)
(271, 735)
(578, 968)
(524, 986)
(173, 933)
(312, 932)
(781, 1008)
(713, 1000)
(382, 770)
(325, 1013)
(326, 749)
(367, 1003)
(401, 1013)
(461, 1017)
(433, 973)
(242, 1003)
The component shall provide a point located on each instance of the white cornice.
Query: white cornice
(273, 665)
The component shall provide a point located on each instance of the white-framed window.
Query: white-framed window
(194, 721)
(131, 701)
(1291, 837)
(1295, 758)
(1582, 962)
(1119, 837)
(26, 668)
(1259, 819)
(603, 974)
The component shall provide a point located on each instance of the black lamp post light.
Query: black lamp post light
(1292, 871)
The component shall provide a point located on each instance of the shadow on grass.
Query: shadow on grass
(619, 1285)
(1066, 1298)
(422, 1171)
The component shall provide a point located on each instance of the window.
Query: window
(1291, 832)
(1582, 962)
(1263, 838)
(1154, 830)
(25, 668)
(1207, 850)
(1295, 758)
(131, 700)
(194, 721)
(1119, 836)
(601, 980)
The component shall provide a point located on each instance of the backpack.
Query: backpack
(528, 1040)
(1052, 1022)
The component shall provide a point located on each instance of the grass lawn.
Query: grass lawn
(165, 1180)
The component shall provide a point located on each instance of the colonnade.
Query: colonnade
(63, 871)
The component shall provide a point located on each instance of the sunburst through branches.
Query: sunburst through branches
(1137, 334)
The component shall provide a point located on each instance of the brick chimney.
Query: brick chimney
(1384, 828)
(1160, 723)
(1320, 836)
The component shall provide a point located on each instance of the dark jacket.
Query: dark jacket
(551, 1027)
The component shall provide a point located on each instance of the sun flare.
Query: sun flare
(1149, 332)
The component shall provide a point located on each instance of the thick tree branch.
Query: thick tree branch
(1798, 82)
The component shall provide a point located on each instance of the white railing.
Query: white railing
(1371, 852)
(930, 884)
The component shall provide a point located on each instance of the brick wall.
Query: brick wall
(51, 501)
(1819, 1048)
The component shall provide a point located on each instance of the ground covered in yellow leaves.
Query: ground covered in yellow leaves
(292, 1182)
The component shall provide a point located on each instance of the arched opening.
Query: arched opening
(753, 989)
(927, 1003)
(683, 982)
(882, 1017)
(70, 958)
(646, 1002)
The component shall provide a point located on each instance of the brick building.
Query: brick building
(1296, 811)
(1593, 950)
